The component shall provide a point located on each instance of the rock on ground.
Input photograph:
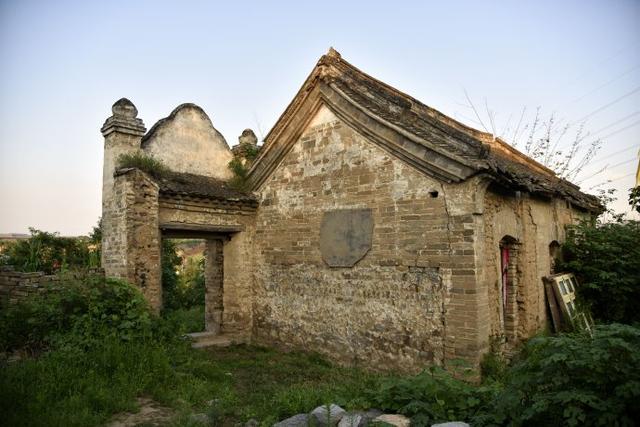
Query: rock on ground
(300, 420)
(451, 424)
(330, 416)
(394, 419)
(200, 418)
(352, 420)
(150, 414)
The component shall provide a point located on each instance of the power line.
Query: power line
(615, 132)
(615, 123)
(618, 77)
(597, 64)
(615, 101)
(623, 129)
(614, 153)
(606, 168)
(612, 180)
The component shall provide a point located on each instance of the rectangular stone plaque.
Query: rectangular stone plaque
(345, 236)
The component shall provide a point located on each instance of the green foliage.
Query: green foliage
(83, 388)
(185, 320)
(606, 260)
(433, 396)
(148, 164)
(240, 174)
(170, 261)
(568, 380)
(634, 198)
(191, 287)
(251, 152)
(493, 366)
(573, 380)
(75, 312)
(184, 290)
(50, 253)
(76, 387)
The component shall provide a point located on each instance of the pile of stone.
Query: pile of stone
(333, 415)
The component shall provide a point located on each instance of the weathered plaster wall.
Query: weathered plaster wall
(535, 223)
(186, 141)
(390, 309)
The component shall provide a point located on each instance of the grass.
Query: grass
(154, 167)
(269, 385)
(186, 320)
(70, 387)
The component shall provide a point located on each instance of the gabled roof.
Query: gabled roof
(421, 136)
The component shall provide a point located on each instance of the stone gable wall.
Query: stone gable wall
(186, 141)
(416, 285)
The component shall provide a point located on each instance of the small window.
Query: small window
(433, 194)
(563, 289)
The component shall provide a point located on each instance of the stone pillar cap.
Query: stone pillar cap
(124, 119)
(248, 137)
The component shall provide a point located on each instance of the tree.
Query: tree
(564, 147)
(634, 198)
(606, 260)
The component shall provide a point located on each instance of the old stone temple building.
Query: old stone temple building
(375, 230)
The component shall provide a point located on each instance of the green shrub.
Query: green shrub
(81, 311)
(606, 261)
(51, 253)
(148, 164)
(433, 396)
(240, 175)
(572, 380)
(169, 261)
(185, 320)
(187, 289)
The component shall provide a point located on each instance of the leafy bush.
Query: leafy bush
(184, 290)
(169, 261)
(573, 380)
(50, 253)
(148, 164)
(606, 261)
(185, 320)
(79, 311)
(433, 396)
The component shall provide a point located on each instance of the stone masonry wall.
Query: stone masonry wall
(16, 285)
(416, 285)
(213, 279)
(133, 234)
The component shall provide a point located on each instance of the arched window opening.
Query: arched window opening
(555, 255)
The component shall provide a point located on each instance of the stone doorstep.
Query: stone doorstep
(212, 339)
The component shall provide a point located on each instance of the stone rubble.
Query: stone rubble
(336, 416)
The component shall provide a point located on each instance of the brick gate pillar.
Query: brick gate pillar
(134, 235)
(213, 282)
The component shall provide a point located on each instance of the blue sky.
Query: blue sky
(64, 63)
